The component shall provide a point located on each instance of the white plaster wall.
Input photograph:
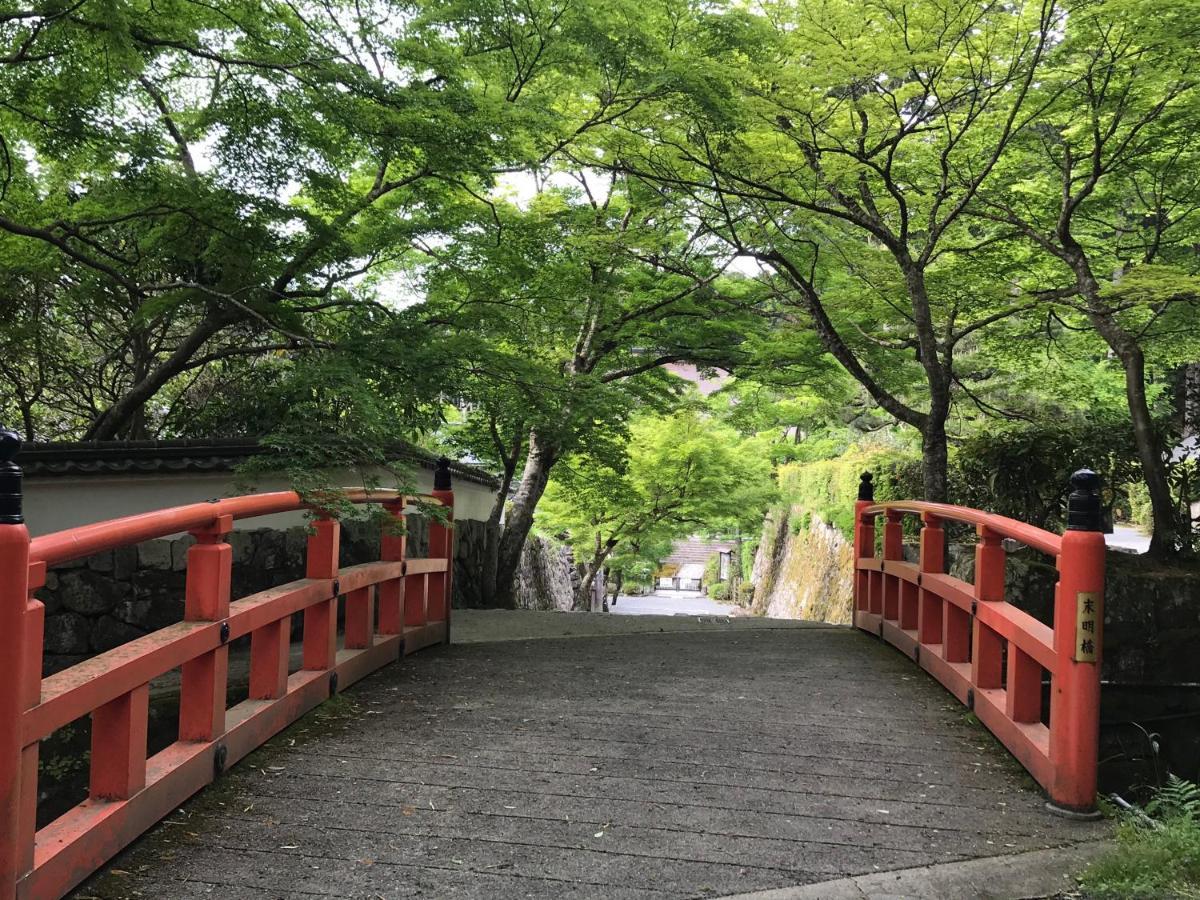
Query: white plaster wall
(53, 503)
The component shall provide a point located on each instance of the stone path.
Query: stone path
(650, 765)
(673, 603)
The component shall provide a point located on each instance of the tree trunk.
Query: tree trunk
(491, 547)
(618, 583)
(1168, 535)
(1190, 405)
(935, 461)
(124, 414)
(585, 594)
(934, 456)
(1169, 528)
(540, 460)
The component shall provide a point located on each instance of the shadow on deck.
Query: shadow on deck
(707, 758)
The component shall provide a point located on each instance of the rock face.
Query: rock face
(547, 578)
(802, 570)
(100, 602)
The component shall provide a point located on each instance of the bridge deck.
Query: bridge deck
(627, 766)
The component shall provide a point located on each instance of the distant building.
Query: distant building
(690, 372)
(683, 570)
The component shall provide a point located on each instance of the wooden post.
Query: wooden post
(320, 619)
(864, 540)
(1078, 637)
(932, 561)
(14, 598)
(206, 599)
(441, 546)
(893, 549)
(988, 654)
(393, 547)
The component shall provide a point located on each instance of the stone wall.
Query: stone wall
(548, 576)
(802, 570)
(100, 602)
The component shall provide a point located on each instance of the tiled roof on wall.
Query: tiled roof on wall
(180, 456)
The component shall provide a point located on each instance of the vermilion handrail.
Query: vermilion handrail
(985, 651)
(1030, 535)
(392, 607)
(86, 540)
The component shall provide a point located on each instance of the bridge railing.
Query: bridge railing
(991, 655)
(392, 607)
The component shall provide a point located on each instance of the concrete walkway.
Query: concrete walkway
(702, 763)
(673, 603)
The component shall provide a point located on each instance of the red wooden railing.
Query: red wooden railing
(987, 652)
(393, 607)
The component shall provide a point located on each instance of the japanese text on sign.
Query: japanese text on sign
(1087, 631)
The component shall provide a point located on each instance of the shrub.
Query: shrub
(1023, 469)
(828, 488)
(1157, 852)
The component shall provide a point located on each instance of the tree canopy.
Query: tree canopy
(958, 229)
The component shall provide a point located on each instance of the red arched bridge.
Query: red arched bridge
(695, 762)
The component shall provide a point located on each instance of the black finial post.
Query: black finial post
(866, 490)
(1083, 506)
(10, 478)
(441, 475)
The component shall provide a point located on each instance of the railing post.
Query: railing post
(203, 686)
(441, 546)
(320, 619)
(1078, 633)
(864, 539)
(893, 550)
(393, 548)
(14, 598)
(932, 560)
(987, 656)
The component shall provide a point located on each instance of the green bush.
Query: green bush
(1157, 852)
(828, 488)
(1023, 469)
(1140, 512)
(719, 591)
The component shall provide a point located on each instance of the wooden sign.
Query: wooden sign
(1087, 629)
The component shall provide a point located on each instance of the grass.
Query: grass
(1157, 853)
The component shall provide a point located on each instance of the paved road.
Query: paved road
(673, 603)
(622, 767)
(1128, 538)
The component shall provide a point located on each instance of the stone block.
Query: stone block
(108, 632)
(179, 552)
(67, 633)
(162, 594)
(242, 544)
(125, 563)
(101, 562)
(90, 593)
(267, 551)
(154, 555)
(295, 541)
